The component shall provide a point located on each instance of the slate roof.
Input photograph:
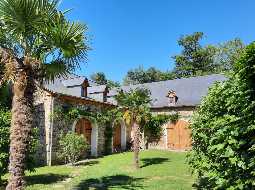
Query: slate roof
(96, 89)
(188, 90)
(69, 85)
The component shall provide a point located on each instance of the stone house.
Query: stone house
(168, 97)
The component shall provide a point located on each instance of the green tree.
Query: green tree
(101, 79)
(194, 58)
(140, 76)
(223, 128)
(136, 114)
(37, 44)
(228, 53)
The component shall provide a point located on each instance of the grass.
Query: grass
(160, 170)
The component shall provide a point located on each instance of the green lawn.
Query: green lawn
(160, 170)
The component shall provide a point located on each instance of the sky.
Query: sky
(126, 34)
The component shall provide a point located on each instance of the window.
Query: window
(172, 97)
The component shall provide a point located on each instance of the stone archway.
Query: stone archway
(88, 128)
(119, 136)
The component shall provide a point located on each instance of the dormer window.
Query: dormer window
(172, 97)
(84, 88)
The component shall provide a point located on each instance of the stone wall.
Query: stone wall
(62, 127)
(185, 112)
(50, 128)
(42, 120)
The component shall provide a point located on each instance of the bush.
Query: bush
(5, 123)
(223, 131)
(72, 147)
(5, 120)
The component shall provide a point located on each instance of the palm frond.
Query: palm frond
(36, 29)
(65, 41)
(25, 18)
(55, 69)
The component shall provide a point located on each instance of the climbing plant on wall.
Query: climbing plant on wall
(105, 118)
(153, 128)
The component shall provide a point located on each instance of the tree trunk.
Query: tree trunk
(136, 145)
(21, 127)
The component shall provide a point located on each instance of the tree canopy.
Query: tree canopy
(194, 60)
(140, 75)
(100, 78)
(36, 31)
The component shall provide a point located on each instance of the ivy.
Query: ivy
(153, 127)
(105, 118)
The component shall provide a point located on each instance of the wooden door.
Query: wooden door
(83, 127)
(178, 136)
(117, 138)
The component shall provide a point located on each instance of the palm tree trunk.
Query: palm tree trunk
(136, 145)
(21, 127)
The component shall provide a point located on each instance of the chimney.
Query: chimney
(84, 88)
(106, 91)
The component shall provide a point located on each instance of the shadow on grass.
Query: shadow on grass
(104, 183)
(86, 163)
(153, 161)
(45, 179)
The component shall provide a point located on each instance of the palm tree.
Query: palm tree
(136, 114)
(37, 44)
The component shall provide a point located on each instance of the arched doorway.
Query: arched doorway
(88, 129)
(83, 127)
(119, 136)
(178, 135)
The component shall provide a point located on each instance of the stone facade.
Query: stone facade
(185, 112)
(42, 120)
(50, 128)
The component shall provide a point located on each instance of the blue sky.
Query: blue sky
(127, 33)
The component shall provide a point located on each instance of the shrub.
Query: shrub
(5, 123)
(223, 131)
(5, 119)
(72, 147)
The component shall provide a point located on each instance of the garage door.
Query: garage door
(178, 136)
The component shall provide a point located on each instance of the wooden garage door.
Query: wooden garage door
(178, 136)
(83, 127)
(117, 138)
